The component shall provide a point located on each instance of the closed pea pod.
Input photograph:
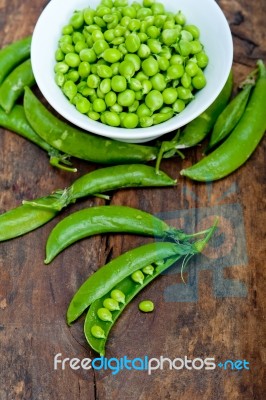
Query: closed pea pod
(13, 85)
(104, 219)
(12, 55)
(239, 146)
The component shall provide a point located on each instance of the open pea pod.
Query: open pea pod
(130, 289)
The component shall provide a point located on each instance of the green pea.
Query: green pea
(83, 105)
(118, 295)
(126, 69)
(158, 82)
(59, 79)
(179, 105)
(104, 314)
(80, 46)
(196, 47)
(84, 69)
(97, 332)
(70, 89)
(97, 35)
(154, 100)
(193, 30)
(146, 86)
(77, 19)
(107, 3)
(99, 21)
(102, 10)
(67, 30)
(163, 63)
(100, 94)
(67, 48)
(94, 115)
(88, 15)
(88, 55)
(175, 71)
(65, 39)
(132, 43)
(111, 55)
(143, 13)
(93, 81)
(184, 93)
(148, 270)
(118, 83)
(145, 122)
(117, 108)
(99, 46)
(166, 52)
(153, 32)
(134, 107)
(143, 111)
(130, 121)
(104, 71)
(105, 85)
(129, 12)
(73, 75)
(112, 119)
(146, 306)
(169, 95)
(115, 68)
(99, 105)
(180, 18)
(61, 67)
(135, 84)
(202, 59)
(110, 99)
(176, 59)
(125, 21)
(134, 58)
(159, 20)
(134, 25)
(191, 69)
(59, 55)
(141, 76)
(185, 35)
(109, 35)
(148, 3)
(157, 8)
(122, 49)
(108, 18)
(186, 80)
(117, 41)
(111, 304)
(126, 98)
(144, 51)
(199, 81)
(150, 66)
(138, 277)
(169, 24)
(184, 47)
(155, 46)
(169, 36)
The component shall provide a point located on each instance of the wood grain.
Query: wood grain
(211, 316)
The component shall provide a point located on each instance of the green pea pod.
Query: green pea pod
(239, 146)
(196, 130)
(17, 122)
(130, 289)
(108, 276)
(229, 117)
(78, 143)
(110, 178)
(13, 85)
(24, 219)
(12, 55)
(104, 219)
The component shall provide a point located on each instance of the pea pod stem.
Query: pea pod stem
(17, 122)
(242, 142)
(106, 219)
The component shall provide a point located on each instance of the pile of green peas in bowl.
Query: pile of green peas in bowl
(130, 66)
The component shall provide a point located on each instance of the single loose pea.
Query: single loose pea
(132, 43)
(111, 304)
(143, 111)
(138, 277)
(179, 105)
(117, 108)
(153, 32)
(111, 118)
(158, 82)
(169, 95)
(126, 69)
(150, 66)
(93, 81)
(100, 46)
(111, 55)
(202, 59)
(141, 76)
(175, 71)
(144, 51)
(134, 107)
(97, 332)
(77, 37)
(142, 36)
(99, 93)
(66, 39)
(184, 47)
(81, 45)
(146, 121)
(83, 105)
(118, 295)
(154, 100)
(88, 55)
(129, 12)
(157, 8)
(196, 47)
(148, 270)
(72, 59)
(67, 30)
(59, 55)
(99, 105)
(134, 25)
(94, 115)
(73, 75)
(146, 306)
(110, 98)
(104, 71)
(77, 19)
(135, 84)
(191, 69)
(146, 85)
(186, 80)
(97, 35)
(134, 58)
(126, 98)
(59, 79)
(109, 35)
(163, 63)
(130, 121)
(70, 89)
(118, 83)
(115, 68)
(176, 59)
(185, 35)
(184, 93)
(67, 48)
(61, 67)
(105, 85)
(104, 314)
(199, 81)
(169, 36)
(154, 46)
(180, 18)
(84, 69)
(193, 30)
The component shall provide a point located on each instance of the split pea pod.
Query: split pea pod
(106, 219)
(79, 143)
(229, 117)
(196, 130)
(17, 122)
(13, 85)
(34, 213)
(12, 55)
(108, 276)
(239, 146)
(130, 289)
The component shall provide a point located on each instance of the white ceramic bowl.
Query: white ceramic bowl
(215, 36)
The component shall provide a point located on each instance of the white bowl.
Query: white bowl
(215, 36)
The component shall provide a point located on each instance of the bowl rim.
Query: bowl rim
(119, 133)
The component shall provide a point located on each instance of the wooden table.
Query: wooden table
(217, 314)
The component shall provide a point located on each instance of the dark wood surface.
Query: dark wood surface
(219, 313)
